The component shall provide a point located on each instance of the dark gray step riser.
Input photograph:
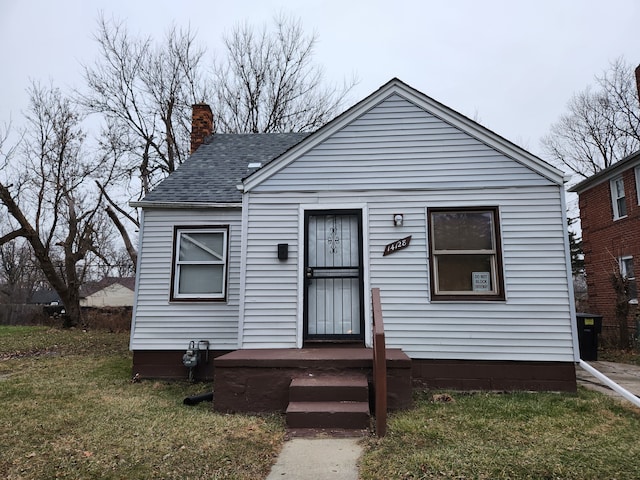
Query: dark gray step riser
(343, 420)
(327, 394)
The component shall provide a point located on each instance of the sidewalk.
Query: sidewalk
(627, 376)
(318, 459)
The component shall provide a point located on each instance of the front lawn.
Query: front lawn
(70, 410)
(509, 436)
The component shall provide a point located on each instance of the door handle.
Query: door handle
(309, 273)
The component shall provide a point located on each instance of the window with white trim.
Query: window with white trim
(618, 200)
(466, 261)
(627, 271)
(200, 263)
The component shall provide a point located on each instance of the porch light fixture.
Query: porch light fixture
(398, 219)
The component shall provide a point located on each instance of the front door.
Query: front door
(333, 276)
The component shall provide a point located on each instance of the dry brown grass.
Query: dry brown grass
(509, 436)
(69, 410)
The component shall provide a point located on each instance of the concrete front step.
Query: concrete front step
(323, 388)
(338, 400)
(344, 415)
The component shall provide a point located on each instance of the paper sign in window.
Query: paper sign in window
(481, 281)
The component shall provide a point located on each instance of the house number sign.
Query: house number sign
(396, 246)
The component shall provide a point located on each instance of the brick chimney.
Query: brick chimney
(201, 124)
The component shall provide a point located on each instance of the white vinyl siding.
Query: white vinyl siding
(398, 145)
(160, 324)
(271, 288)
(397, 158)
(532, 324)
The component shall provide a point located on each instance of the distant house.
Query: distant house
(109, 292)
(268, 246)
(50, 300)
(610, 217)
(45, 297)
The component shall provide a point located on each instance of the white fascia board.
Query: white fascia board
(192, 205)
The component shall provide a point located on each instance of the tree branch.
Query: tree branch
(114, 205)
(10, 236)
(133, 255)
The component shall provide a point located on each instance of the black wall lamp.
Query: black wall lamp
(398, 219)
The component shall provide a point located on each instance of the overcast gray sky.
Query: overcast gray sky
(511, 64)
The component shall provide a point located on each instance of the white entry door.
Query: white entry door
(333, 276)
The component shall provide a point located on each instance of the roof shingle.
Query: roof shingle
(211, 174)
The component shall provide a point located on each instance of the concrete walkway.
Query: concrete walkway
(318, 459)
(627, 376)
(337, 458)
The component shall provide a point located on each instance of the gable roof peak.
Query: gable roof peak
(428, 104)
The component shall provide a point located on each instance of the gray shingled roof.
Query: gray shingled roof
(211, 174)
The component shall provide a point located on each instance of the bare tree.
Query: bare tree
(621, 287)
(45, 187)
(145, 90)
(602, 125)
(19, 275)
(269, 83)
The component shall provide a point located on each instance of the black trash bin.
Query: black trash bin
(589, 327)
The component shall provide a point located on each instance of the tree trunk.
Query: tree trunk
(621, 287)
(73, 315)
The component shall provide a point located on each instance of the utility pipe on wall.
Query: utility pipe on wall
(610, 383)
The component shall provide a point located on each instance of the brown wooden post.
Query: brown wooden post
(379, 364)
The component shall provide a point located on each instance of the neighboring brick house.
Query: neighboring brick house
(610, 217)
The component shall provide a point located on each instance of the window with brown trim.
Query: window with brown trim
(200, 263)
(465, 256)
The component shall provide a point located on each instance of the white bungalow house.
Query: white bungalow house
(109, 292)
(267, 243)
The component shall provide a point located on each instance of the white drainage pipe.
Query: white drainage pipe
(611, 384)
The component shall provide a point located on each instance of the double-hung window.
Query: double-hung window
(626, 270)
(466, 262)
(200, 263)
(618, 200)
